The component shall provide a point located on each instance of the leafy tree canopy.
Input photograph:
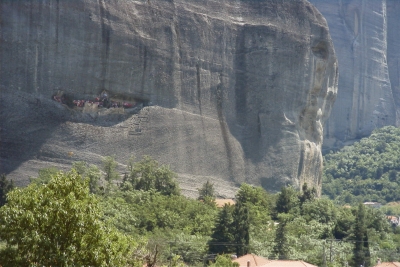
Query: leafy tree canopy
(109, 168)
(287, 201)
(44, 176)
(136, 211)
(365, 171)
(224, 260)
(147, 174)
(90, 172)
(59, 224)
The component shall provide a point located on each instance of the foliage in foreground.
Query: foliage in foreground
(59, 224)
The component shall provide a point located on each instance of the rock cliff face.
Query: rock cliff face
(238, 91)
(366, 38)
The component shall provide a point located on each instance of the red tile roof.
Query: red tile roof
(254, 260)
(263, 262)
(388, 264)
(287, 263)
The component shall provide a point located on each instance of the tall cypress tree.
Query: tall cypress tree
(361, 254)
(281, 245)
(223, 236)
(242, 229)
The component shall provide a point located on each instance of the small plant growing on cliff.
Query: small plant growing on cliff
(207, 191)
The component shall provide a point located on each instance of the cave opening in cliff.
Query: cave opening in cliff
(104, 100)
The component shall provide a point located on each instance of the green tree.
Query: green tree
(59, 224)
(287, 200)
(253, 195)
(44, 176)
(80, 167)
(5, 187)
(93, 175)
(242, 229)
(321, 210)
(258, 203)
(91, 172)
(361, 253)
(224, 261)
(366, 170)
(147, 174)
(223, 236)
(281, 249)
(109, 167)
(207, 191)
(307, 194)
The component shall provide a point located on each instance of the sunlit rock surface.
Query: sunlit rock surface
(366, 36)
(237, 91)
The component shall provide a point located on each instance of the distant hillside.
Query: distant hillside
(365, 171)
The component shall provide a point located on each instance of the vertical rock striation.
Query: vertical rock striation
(239, 89)
(393, 51)
(365, 34)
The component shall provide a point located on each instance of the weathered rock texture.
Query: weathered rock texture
(366, 35)
(239, 90)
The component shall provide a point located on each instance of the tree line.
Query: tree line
(368, 170)
(91, 216)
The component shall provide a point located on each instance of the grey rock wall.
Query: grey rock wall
(393, 51)
(366, 37)
(239, 89)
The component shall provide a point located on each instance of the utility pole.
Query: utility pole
(170, 255)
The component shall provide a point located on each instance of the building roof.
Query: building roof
(263, 262)
(388, 264)
(254, 260)
(220, 202)
(287, 263)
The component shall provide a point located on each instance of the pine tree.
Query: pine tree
(223, 236)
(281, 244)
(287, 200)
(242, 229)
(206, 191)
(361, 254)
